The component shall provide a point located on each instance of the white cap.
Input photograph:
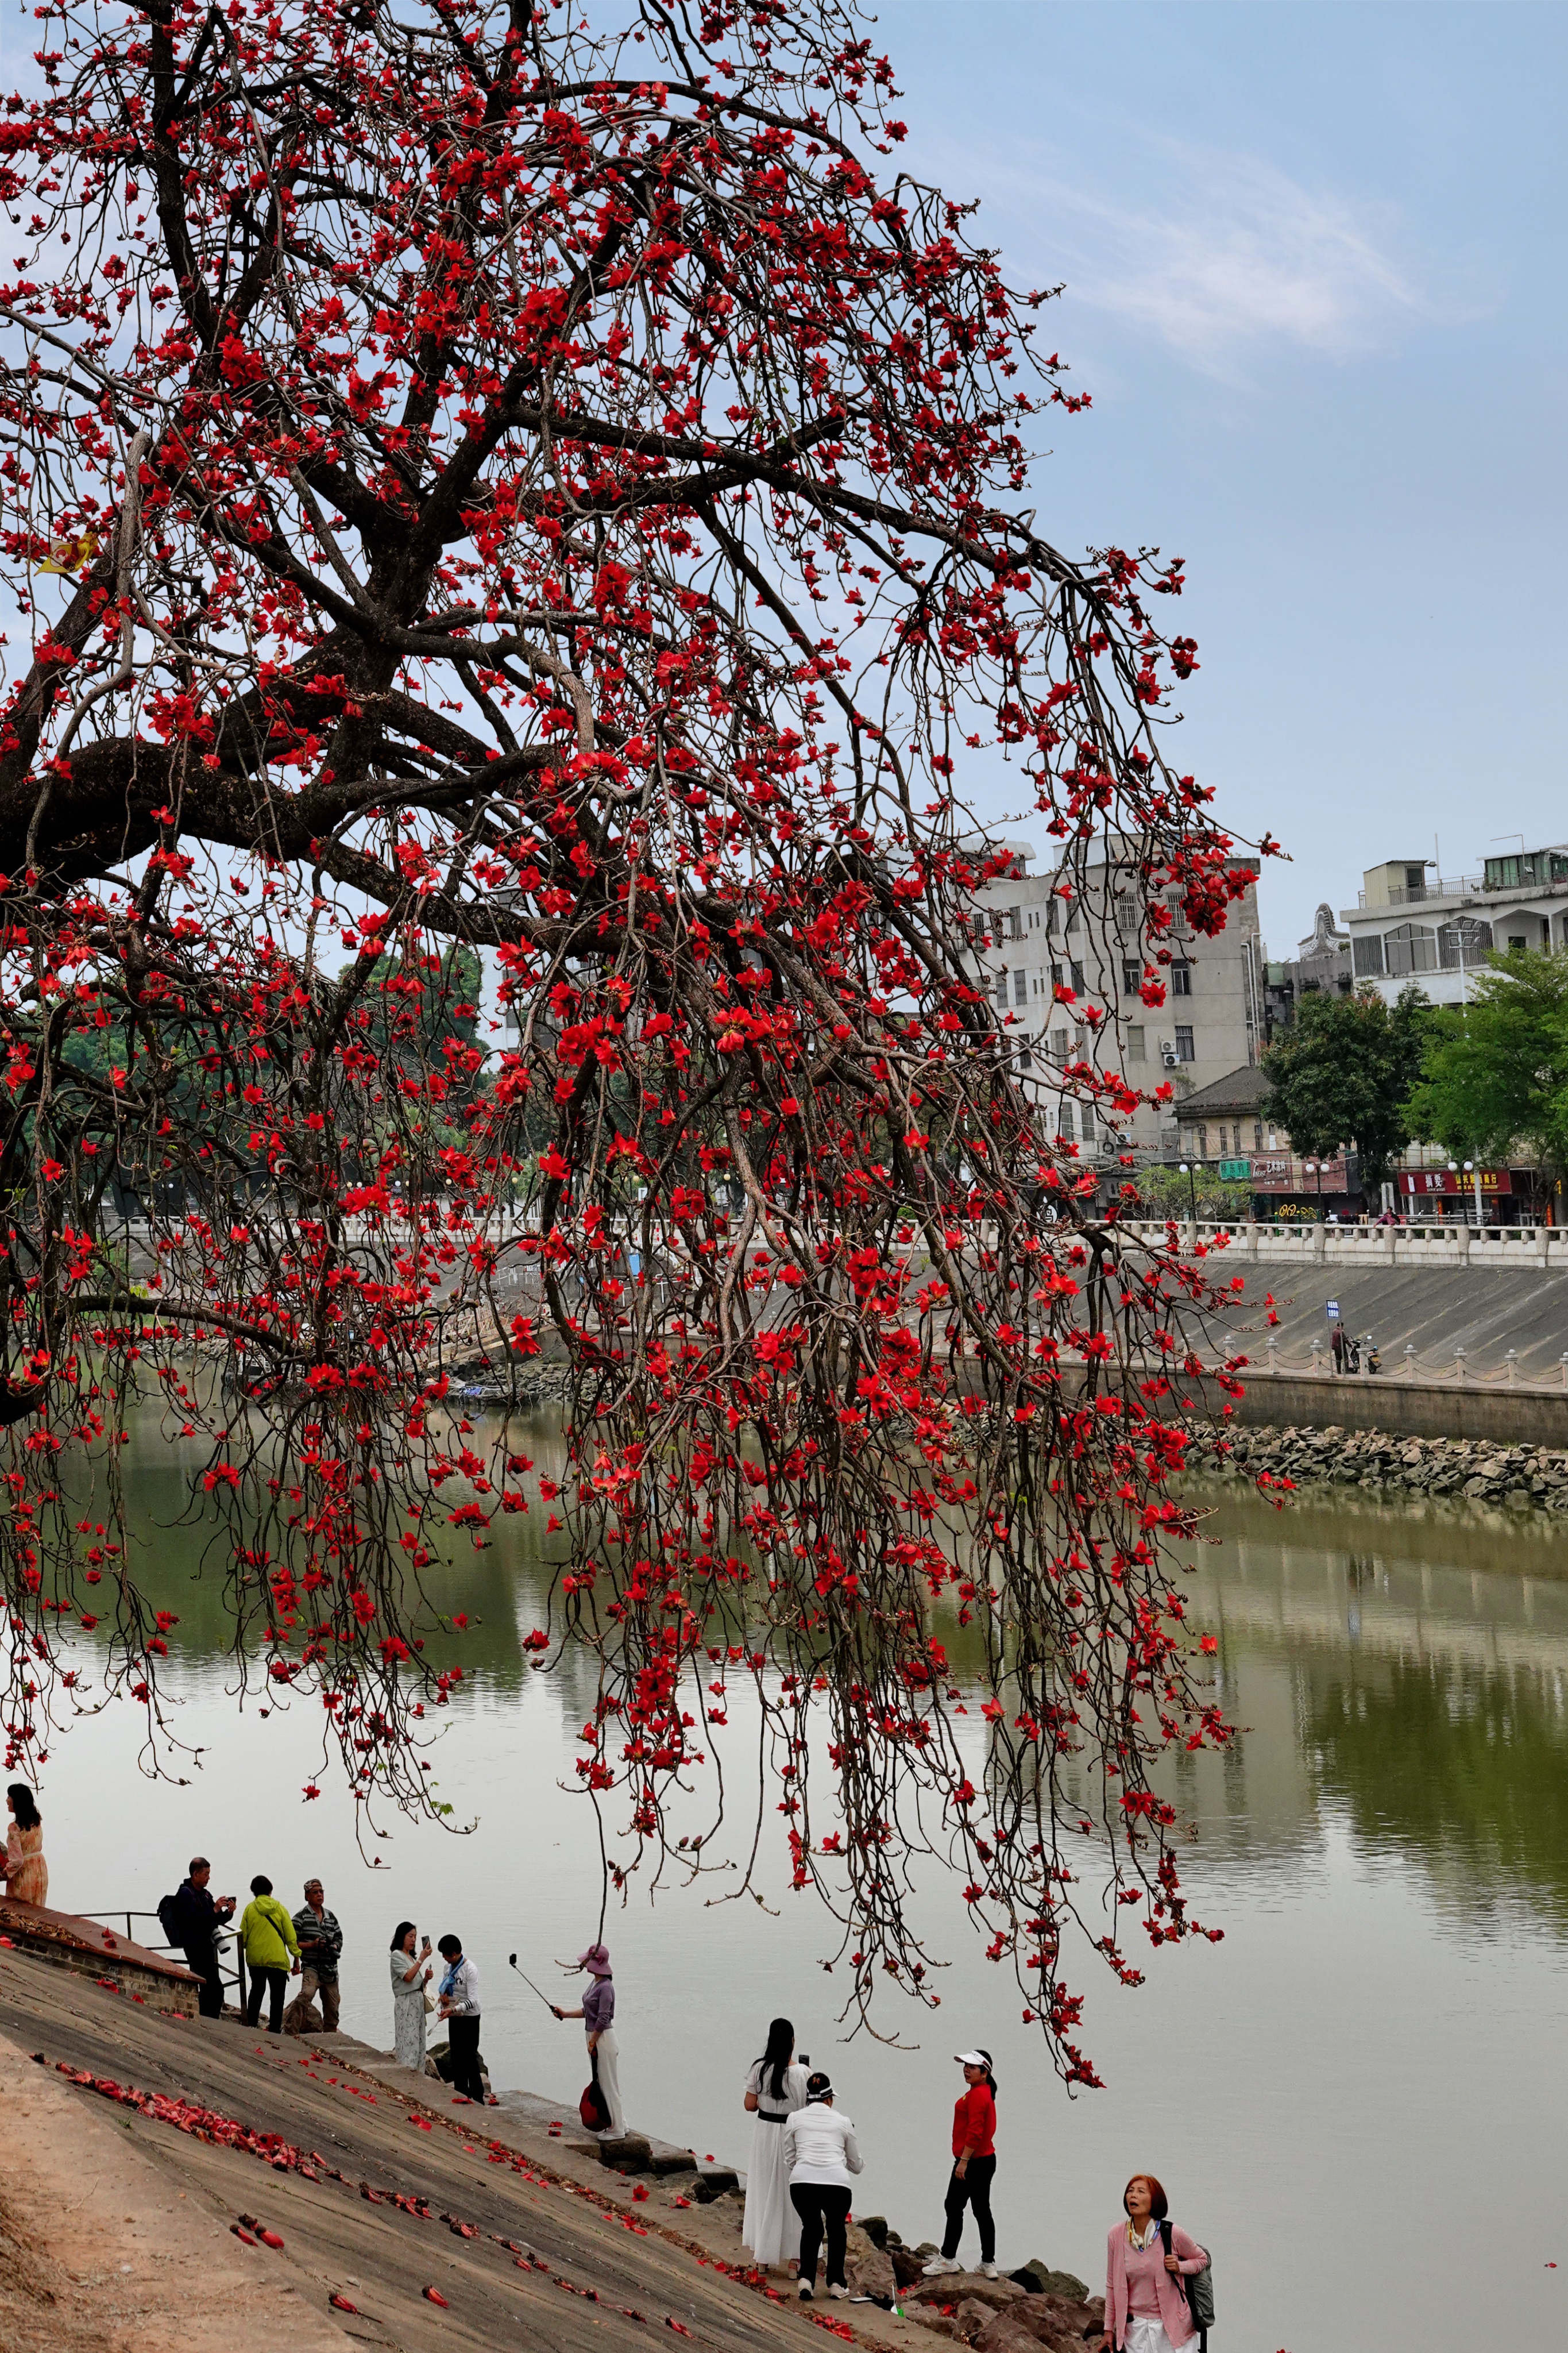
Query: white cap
(972, 2058)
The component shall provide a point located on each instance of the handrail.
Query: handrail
(111, 1912)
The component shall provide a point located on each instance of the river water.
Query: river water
(1355, 2100)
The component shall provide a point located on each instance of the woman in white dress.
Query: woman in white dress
(410, 1976)
(775, 2088)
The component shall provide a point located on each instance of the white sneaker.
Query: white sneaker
(804, 2291)
(986, 2270)
(934, 2266)
(840, 2294)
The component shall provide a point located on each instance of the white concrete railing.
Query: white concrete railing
(1315, 1244)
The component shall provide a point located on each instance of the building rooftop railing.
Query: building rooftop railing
(1447, 886)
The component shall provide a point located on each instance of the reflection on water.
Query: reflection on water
(1421, 1695)
(1386, 1848)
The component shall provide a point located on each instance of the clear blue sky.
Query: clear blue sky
(1314, 277)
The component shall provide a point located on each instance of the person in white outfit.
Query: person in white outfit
(820, 2152)
(598, 2017)
(775, 2088)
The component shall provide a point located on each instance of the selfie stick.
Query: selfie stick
(527, 1981)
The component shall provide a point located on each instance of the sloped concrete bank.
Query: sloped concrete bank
(227, 2190)
(1521, 1478)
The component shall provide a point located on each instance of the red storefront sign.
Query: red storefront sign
(1418, 1181)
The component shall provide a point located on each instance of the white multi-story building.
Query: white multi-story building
(1410, 924)
(1049, 944)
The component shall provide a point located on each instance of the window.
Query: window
(1517, 939)
(1184, 1043)
(1221, 1146)
(1002, 994)
(1059, 1044)
(1053, 913)
(1412, 947)
(1258, 1136)
(1015, 923)
(1464, 941)
(1367, 955)
(1075, 918)
(1137, 1047)
(1064, 1124)
(1078, 975)
(1086, 1122)
(1203, 1141)
(1020, 988)
(982, 929)
(1181, 979)
(1131, 976)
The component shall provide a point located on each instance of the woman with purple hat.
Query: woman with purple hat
(598, 2014)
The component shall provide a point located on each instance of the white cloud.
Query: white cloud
(1237, 255)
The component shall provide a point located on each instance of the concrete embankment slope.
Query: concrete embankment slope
(133, 2239)
(1484, 1309)
(133, 2143)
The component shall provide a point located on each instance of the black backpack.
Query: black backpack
(1198, 2291)
(168, 1918)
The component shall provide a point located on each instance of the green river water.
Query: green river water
(1354, 2100)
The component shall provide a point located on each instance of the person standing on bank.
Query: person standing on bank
(271, 1950)
(1146, 2308)
(974, 2165)
(459, 2006)
(820, 2152)
(25, 1872)
(598, 2017)
(320, 1947)
(410, 1976)
(197, 1916)
(775, 2088)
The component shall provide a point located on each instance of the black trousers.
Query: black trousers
(276, 1983)
(202, 1962)
(975, 2189)
(821, 2205)
(463, 2038)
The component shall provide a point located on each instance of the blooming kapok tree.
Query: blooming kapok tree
(484, 485)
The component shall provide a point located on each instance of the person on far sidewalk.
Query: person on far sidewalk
(459, 2006)
(598, 2017)
(974, 2165)
(320, 1945)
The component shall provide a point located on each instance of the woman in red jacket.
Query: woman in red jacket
(973, 2164)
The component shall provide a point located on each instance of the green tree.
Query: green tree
(1344, 1074)
(1495, 1076)
(1164, 1192)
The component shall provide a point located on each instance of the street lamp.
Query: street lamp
(1469, 1168)
(1307, 1169)
(1192, 1188)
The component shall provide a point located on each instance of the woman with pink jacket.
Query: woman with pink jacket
(1145, 2309)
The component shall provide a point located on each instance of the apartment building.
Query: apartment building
(1051, 941)
(1410, 923)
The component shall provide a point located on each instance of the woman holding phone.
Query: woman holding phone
(410, 1976)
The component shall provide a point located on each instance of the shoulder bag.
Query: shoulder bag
(1198, 2290)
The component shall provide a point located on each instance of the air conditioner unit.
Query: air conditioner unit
(1168, 1052)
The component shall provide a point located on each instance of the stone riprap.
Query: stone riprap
(1519, 1478)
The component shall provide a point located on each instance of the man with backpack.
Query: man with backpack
(191, 1918)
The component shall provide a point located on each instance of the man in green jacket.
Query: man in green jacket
(271, 1950)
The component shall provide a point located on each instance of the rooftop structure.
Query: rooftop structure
(1412, 924)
